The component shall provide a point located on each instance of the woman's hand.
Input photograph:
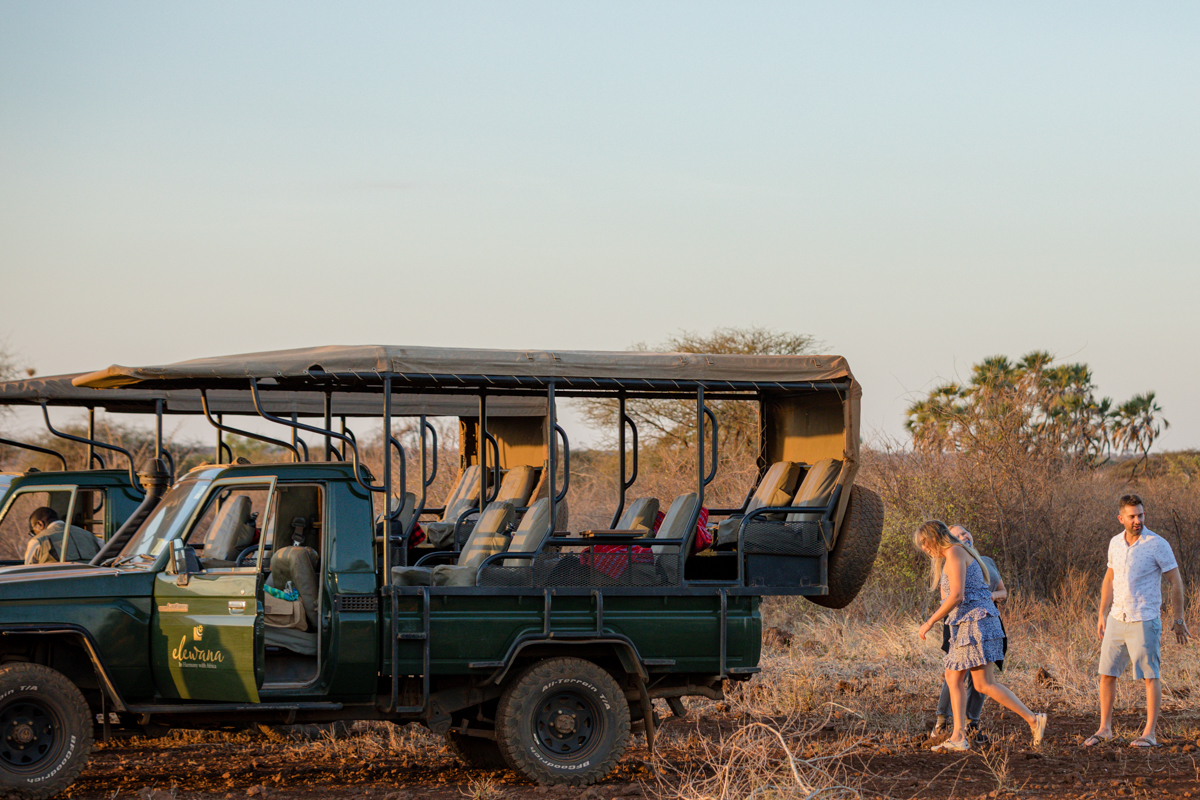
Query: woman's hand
(925, 629)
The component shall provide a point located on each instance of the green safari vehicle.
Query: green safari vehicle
(282, 593)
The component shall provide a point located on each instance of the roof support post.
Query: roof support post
(328, 424)
(158, 415)
(552, 460)
(387, 479)
(91, 448)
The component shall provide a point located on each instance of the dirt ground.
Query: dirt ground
(893, 764)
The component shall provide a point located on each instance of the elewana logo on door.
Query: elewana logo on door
(196, 657)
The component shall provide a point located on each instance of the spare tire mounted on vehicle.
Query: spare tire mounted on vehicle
(853, 553)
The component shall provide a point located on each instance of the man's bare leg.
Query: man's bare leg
(1108, 696)
(1153, 701)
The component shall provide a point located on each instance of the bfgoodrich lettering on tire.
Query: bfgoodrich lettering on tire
(564, 720)
(853, 553)
(45, 731)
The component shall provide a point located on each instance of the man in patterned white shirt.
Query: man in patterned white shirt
(1129, 624)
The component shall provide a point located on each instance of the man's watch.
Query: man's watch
(1180, 621)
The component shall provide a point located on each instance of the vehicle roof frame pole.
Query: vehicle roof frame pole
(33, 447)
(552, 459)
(328, 424)
(387, 478)
(137, 486)
(158, 416)
(91, 434)
(481, 443)
(258, 436)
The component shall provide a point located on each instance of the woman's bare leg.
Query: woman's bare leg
(986, 684)
(958, 702)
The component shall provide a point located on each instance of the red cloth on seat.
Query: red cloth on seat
(618, 557)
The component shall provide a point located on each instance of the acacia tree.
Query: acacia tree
(673, 422)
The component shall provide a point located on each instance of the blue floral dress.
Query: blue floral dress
(976, 636)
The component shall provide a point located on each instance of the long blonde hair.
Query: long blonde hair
(937, 536)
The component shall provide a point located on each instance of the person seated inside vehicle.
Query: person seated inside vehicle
(47, 531)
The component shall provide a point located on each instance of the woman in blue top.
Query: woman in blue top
(976, 638)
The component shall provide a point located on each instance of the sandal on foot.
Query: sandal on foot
(1039, 729)
(1143, 741)
(950, 746)
(1096, 739)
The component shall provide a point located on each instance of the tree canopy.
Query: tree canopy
(673, 422)
(1033, 405)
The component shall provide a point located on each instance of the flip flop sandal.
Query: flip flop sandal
(1094, 740)
(1039, 729)
(1143, 741)
(951, 747)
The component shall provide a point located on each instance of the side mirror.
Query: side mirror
(179, 564)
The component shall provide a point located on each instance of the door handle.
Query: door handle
(237, 606)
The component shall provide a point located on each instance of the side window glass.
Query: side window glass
(231, 522)
(14, 527)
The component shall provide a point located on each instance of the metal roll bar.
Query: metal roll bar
(623, 484)
(257, 436)
(82, 440)
(387, 462)
(35, 448)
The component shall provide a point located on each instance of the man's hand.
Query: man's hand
(1100, 628)
(1181, 632)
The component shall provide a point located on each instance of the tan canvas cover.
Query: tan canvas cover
(374, 359)
(58, 390)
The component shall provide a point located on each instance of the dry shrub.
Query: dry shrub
(760, 760)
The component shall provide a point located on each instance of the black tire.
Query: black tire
(853, 553)
(563, 721)
(45, 732)
(475, 751)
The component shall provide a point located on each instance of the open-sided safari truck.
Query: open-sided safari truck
(527, 645)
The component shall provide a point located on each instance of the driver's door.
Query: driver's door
(207, 625)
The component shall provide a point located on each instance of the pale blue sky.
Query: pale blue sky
(918, 185)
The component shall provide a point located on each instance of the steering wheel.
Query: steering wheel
(249, 556)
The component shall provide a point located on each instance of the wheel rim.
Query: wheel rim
(566, 724)
(28, 734)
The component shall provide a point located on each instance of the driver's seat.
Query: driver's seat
(231, 531)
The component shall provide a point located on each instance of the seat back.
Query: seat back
(517, 486)
(776, 487)
(489, 536)
(817, 489)
(675, 523)
(532, 533)
(640, 515)
(231, 531)
(298, 565)
(464, 495)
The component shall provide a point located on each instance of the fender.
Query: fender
(89, 644)
(622, 646)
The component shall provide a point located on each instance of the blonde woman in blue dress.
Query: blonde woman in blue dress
(976, 638)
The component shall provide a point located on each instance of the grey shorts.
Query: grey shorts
(1139, 642)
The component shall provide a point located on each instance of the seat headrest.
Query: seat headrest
(816, 489)
(533, 531)
(776, 487)
(675, 523)
(489, 536)
(639, 516)
(517, 485)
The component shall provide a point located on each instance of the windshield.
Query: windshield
(151, 539)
